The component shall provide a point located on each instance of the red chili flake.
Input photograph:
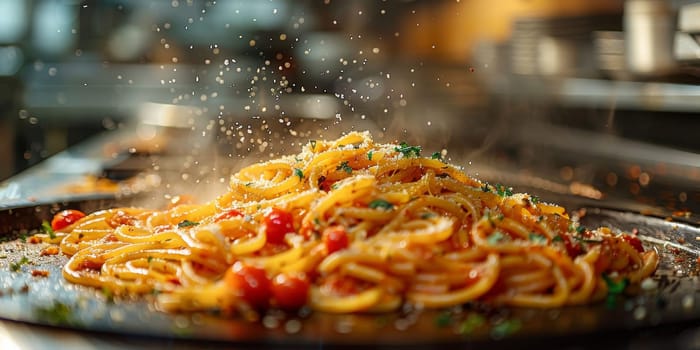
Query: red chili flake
(40, 273)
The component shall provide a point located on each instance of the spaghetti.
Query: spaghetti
(351, 225)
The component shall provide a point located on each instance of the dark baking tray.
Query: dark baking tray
(52, 302)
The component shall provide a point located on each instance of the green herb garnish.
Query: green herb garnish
(615, 287)
(187, 223)
(485, 188)
(575, 227)
(503, 191)
(496, 237)
(436, 155)
(299, 173)
(369, 155)
(505, 328)
(345, 167)
(46, 227)
(534, 199)
(471, 323)
(557, 238)
(408, 151)
(380, 203)
(443, 319)
(16, 266)
(537, 238)
(57, 313)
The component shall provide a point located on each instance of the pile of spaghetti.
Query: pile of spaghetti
(351, 225)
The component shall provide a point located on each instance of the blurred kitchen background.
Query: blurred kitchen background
(592, 98)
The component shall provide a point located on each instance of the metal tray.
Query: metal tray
(50, 301)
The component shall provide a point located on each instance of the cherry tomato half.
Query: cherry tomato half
(250, 283)
(291, 291)
(65, 218)
(335, 238)
(278, 223)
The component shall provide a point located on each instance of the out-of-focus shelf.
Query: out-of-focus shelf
(631, 95)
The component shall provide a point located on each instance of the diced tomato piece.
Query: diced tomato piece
(573, 249)
(291, 291)
(634, 241)
(278, 223)
(335, 238)
(249, 283)
(65, 218)
(224, 215)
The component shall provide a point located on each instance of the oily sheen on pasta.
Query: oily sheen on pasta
(350, 225)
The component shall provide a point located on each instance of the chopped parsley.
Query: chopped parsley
(505, 328)
(299, 173)
(408, 151)
(187, 223)
(534, 199)
(436, 155)
(443, 319)
(369, 155)
(57, 313)
(345, 167)
(48, 229)
(471, 323)
(615, 287)
(16, 266)
(503, 191)
(496, 237)
(380, 204)
(537, 238)
(575, 227)
(557, 238)
(485, 188)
